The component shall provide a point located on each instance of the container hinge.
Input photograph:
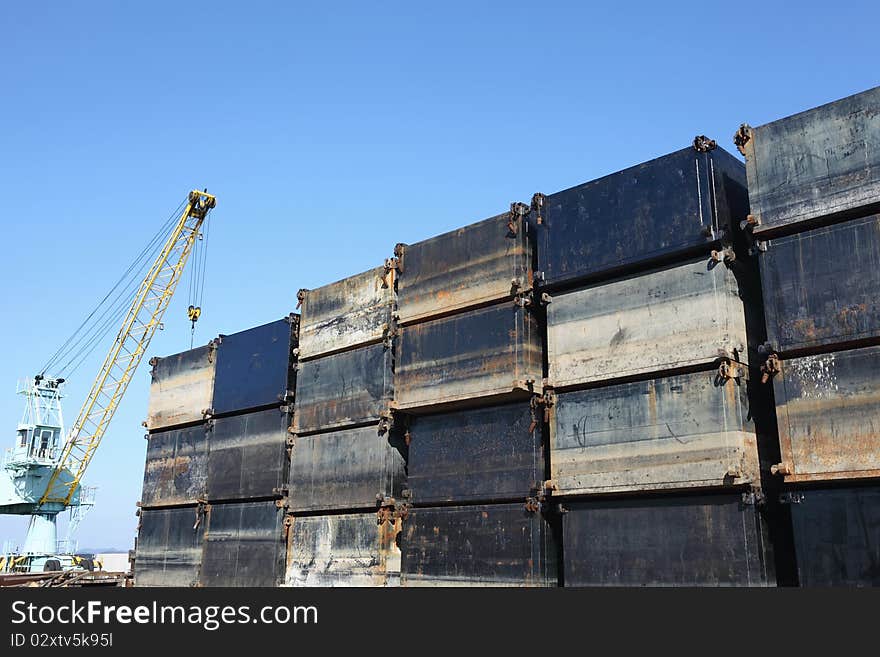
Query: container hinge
(532, 504)
(729, 369)
(527, 385)
(386, 506)
(202, 508)
(207, 413)
(550, 486)
(399, 250)
(522, 299)
(771, 367)
(389, 332)
(725, 255)
(753, 498)
(791, 498)
(760, 246)
(742, 137)
(391, 265)
(783, 469)
(301, 296)
(386, 421)
(544, 402)
(285, 526)
(750, 221)
(518, 212)
(702, 144)
(537, 207)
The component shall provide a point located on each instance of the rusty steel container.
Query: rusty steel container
(828, 412)
(479, 545)
(344, 389)
(352, 312)
(352, 549)
(182, 388)
(347, 469)
(673, 318)
(169, 546)
(837, 535)
(686, 431)
(248, 455)
(492, 354)
(820, 286)
(675, 205)
(702, 540)
(256, 367)
(245, 545)
(176, 470)
(822, 163)
(472, 266)
(476, 455)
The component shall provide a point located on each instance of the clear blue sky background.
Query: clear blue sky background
(331, 131)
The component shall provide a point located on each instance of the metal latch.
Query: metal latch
(783, 469)
(725, 255)
(771, 367)
(702, 144)
(742, 137)
(386, 421)
(518, 211)
(538, 201)
(301, 296)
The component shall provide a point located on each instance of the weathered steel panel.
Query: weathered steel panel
(343, 550)
(353, 387)
(182, 388)
(677, 317)
(482, 545)
(476, 455)
(347, 469)
(248, 455)
(176, 470)
(828, 412)
(480, 263)
(664, 208)
(820, 286)
(837, 536)
(685, 431)
(821, 162)
(345, 314)
(169, 547)
(245, 545)
(708, 540)
(490, 353)
(256, 367)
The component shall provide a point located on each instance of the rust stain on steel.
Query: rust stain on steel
(829, 425)
(350, 312)
(470, 266)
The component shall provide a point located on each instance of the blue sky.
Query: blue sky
(331, 131)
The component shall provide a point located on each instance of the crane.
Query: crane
(42, 477)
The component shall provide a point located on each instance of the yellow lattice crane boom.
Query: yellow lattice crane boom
(140, 324)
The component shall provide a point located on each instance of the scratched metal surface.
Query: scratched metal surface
(352, 549)
(475, 455)
(245, 545)
(176, 471)
(182, 388)
(477, 545)
(466, 267)
(816, 163)
(828, 412)
(676, 317)
(347, 313)
(820, 286)
(248, 455)
(169, 547)
(346, 469)
(256, 367)
(837, 536)
(479, 354)
(667, 207)
(685, 431)
(343, 389)
(702, 540)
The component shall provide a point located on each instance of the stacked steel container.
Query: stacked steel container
(814, 190)
(653, 310)
(214, 495)
(348, 462)
(468, 376)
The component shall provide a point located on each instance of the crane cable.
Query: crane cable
(196, 290)
(90, 333)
